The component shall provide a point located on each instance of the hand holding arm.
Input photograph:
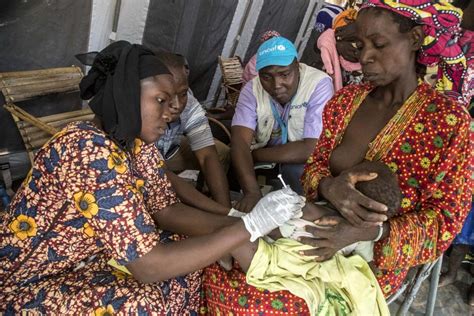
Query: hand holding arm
(334, 233)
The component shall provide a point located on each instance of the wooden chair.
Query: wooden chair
(232, 70)
(25, 85)
(219, 130)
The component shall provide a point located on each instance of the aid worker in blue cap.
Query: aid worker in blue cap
(278, 117)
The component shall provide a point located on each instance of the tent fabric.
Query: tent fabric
(40, 34)
(284, 16)
(196, 29)
(48, 33)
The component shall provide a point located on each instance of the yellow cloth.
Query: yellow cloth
(117, 266)
(340, 286)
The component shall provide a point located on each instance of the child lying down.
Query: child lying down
(342, 285)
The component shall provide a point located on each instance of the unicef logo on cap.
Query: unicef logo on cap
(281, 47)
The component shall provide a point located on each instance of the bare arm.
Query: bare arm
(243, 164)
(183, 219)
(293, 152)
(166, 261)
(313, 212)
(190, 196)
(214, 174)
(245, 252)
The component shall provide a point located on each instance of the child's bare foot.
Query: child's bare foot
(447, 278)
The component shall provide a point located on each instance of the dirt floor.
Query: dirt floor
(451, 299)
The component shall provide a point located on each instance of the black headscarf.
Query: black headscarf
(114, 84)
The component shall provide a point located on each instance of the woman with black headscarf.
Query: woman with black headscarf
(82, 234)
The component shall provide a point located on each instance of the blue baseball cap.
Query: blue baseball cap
(277, 51)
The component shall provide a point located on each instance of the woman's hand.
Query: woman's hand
(334, 233)
(357, 208)
(247, 203)
(273, 210)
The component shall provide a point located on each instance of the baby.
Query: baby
(383, 189)
(343, 283)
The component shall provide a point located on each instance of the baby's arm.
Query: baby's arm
(244, 254)
(312, 212)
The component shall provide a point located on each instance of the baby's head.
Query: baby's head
(383, 189)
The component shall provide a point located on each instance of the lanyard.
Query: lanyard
(284, 128)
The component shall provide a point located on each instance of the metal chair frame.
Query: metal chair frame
(412, 284)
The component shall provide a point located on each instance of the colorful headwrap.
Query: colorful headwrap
(441, 25)
(342, 18)
(265, 36)
(326, 16)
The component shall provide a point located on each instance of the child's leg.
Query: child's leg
(244, 254)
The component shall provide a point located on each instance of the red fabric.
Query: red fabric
(227, 293)
(433, 161)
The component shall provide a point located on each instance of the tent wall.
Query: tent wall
(48, 33)
(40, 34)
(284, 16)
(196, 29)
(102, 20)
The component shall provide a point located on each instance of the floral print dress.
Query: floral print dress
(85, 202)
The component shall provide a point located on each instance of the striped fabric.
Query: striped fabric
(193, 124)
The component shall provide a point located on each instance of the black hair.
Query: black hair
(172, 60)
(461, 4)
(384, 189)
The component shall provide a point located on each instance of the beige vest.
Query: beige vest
(309, 79)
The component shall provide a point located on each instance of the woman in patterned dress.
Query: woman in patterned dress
(96, 195)
(422, 135)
